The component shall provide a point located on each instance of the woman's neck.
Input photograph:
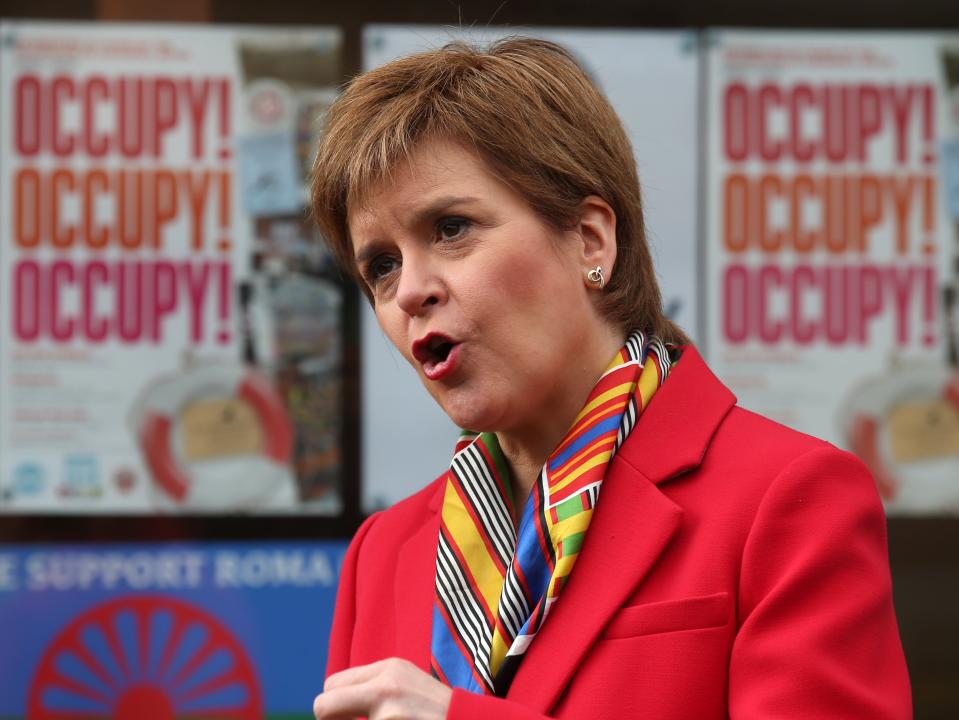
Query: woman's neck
(527, 448)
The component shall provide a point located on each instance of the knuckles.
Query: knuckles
(388, 685)
(387, 693)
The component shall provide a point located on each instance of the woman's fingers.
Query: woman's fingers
(344, 703)
(354, 675)
(388, 688)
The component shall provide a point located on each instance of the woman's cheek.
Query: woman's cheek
(395, 330)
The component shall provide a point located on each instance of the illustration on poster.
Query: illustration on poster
(141, 111)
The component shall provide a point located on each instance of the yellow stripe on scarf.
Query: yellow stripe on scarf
(462, 530)
(599, 459)
(648, 382)
(604, 397)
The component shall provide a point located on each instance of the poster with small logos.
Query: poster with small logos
(170, 326)
(832, 224)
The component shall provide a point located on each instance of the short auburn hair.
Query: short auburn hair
(531, 113)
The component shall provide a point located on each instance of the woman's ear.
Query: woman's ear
(597, 229)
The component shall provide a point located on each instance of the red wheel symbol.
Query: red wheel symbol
(144, 658)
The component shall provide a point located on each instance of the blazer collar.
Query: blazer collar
(675, 430)
(631, 526)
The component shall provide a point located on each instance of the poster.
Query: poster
(170, 326)
(651, 80)
(183, 630)
(831, 239)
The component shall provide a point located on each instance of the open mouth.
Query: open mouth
(440, 349)
(436, 353)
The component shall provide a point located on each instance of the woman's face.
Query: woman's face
(486, 301)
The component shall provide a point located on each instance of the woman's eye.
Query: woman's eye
(451, 227)
(381, 267)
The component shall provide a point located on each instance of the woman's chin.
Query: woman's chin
(469, 413)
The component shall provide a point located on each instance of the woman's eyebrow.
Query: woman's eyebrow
(437, 206)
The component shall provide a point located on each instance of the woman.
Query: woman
(614, 537)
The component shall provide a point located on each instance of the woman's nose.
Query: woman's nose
(420, 286)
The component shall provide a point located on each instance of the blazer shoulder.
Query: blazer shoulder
(742, 425)
(757, 450)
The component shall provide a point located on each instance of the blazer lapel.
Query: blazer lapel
(632, 525)
(674, 432)
(414, 588)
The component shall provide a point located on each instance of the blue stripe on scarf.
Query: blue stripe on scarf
(448, 656)
(529, 554)
(610, 423)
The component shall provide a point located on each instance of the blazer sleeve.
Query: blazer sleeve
(817, 632)
(344, 614)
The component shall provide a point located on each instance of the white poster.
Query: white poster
(169, 332)
(651, 80)
(831, 233)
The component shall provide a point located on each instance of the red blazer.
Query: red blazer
(733, 568)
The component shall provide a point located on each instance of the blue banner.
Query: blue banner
(134, 631)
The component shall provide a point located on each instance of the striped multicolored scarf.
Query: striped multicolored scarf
(495, 585)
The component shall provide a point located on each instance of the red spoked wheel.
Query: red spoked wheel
(144, 658)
